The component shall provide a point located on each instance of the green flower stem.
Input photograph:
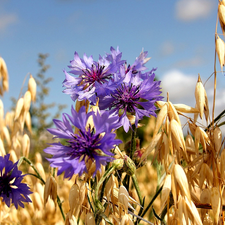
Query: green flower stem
(107, 173)
(133, 142)
(135, 182)
(41, 179)
(104, 184)
(150, 203)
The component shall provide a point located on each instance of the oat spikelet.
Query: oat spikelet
(205, 173)
(160, 104)
(123, 197)
(160, 118)
(50, 190)
(221, 13)
(37, 201)
(26, 145)
(27, 101)
(74, 197)
(206, 107)
(6, 135)
(181, 179)
(185, 108)
(174, 113)
(151, 147)
(28, 122)
(166, 190)
(222, 164)
(217, 138)
(216, 203)
(220, 50)
(32, 88)
(40, 170)
(2, 148)
(177, 133)
(19, 107)
(90, 219)
(200, 96)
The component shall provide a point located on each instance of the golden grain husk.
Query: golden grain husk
(32, 86)
(216, 203)
(200, 96)
(220, 50)
(181, 179)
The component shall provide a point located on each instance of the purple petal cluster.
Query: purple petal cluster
(135, 96)
(12, 190)
(91, 143)
(120, 88)
(90, 75)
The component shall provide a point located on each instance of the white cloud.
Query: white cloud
(7, 20)
(167, 48)
(188, 10)
(180, 86)
(190, 62)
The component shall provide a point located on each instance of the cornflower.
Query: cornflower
(93, 142)
(92, 78)
(135, 95)
(12, 190)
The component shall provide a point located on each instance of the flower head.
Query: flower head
(94, 141)
(136, 95)
(12, 190)
(91, 75)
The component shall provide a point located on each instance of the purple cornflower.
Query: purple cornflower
(92, 75)
(91, 143)
(12, 190)
(136, 95)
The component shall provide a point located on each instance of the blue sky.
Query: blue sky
(179, 36)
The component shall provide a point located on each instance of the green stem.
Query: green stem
(150, 203)
(103, 186)
(135, 182)
(133, 142)
(215, 120)
(107, 173)
(40, 178)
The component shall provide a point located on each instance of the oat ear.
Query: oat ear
(200, 96)
(220, 50)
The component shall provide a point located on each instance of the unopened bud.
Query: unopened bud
(137, 158)
(129, 166)
(118, 164)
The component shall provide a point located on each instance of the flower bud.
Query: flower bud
(129, 166)
(118, 164)
(137, 158)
